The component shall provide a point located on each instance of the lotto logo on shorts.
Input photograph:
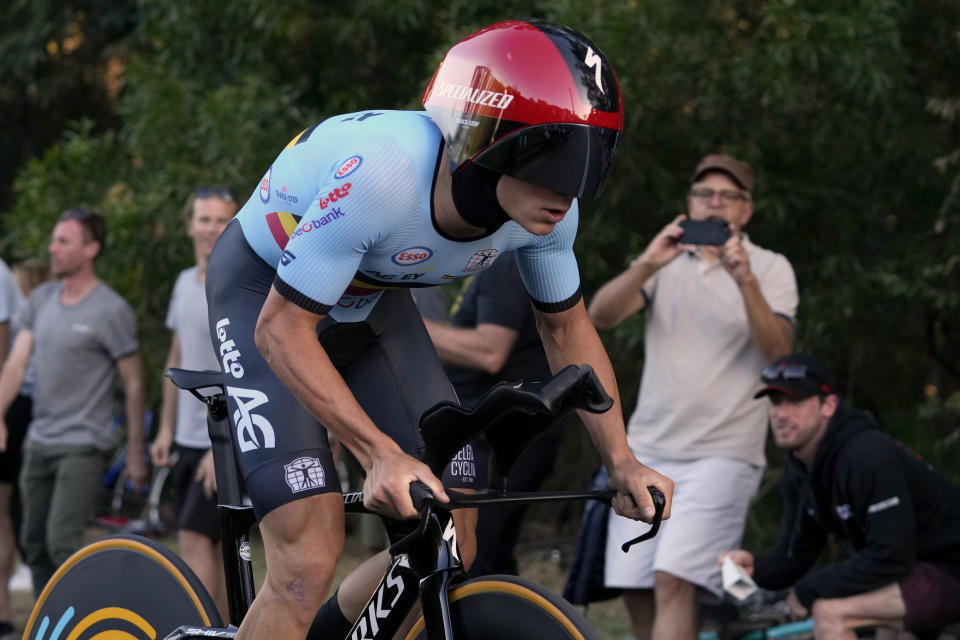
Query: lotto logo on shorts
(303, 474)
(413, 255)
(265, 186)
(349, 165)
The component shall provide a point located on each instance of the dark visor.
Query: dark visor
(572, 159)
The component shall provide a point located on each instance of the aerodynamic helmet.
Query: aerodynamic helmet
(530, 99)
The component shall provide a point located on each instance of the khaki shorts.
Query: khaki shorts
(710, 502)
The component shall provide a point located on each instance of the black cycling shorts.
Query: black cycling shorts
(387, 361)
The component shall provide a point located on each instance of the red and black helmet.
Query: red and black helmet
(533, 100)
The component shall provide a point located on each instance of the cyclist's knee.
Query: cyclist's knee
(303, 541)
(828, 617)
(465, 521)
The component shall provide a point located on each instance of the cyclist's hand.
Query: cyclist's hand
(160, 449)
(386, 489)
(741, 558)
(3, 435)
(137, 471)
(206, 475)
(797, 610)
(633, 501)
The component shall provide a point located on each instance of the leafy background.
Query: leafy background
(847, 111)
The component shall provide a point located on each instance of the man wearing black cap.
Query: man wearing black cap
(715, 314)
(846, 477)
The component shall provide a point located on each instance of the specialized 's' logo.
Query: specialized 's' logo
(450, 534)
(593, 60)
(349, 165)
(253, 430)
(265, 186)
(304, 473)
(368, 626)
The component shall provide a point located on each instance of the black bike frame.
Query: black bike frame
(425, 563)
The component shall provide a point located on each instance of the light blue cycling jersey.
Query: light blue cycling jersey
(346, 211)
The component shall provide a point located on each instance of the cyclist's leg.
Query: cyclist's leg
(282, 452)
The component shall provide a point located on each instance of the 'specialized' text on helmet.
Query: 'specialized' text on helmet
(530, 99)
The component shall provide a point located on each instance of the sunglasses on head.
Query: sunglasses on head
(221, 192)
(75, 214)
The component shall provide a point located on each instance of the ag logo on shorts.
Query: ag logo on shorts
(253, 430)
(304, 473)
(413, 255)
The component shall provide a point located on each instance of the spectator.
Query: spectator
(79, 332)
(28, 274)
(843, 476)
(10, 302)
(714, 316)
(183, 418)
(494, 337)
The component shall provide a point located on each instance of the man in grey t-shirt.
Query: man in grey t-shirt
(80, 333)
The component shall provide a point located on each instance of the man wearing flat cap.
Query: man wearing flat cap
(715, 314)
(845, 477)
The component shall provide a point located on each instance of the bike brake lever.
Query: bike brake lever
(659, 502)
(423, 502)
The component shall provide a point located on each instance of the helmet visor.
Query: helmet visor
(572, 159)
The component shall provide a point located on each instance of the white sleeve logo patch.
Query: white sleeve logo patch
(883, 505)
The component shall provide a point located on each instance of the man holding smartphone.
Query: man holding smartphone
(718, 308)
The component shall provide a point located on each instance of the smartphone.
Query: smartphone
(704, 232)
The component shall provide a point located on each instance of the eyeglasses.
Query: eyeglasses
(221, 192)
(727, 196)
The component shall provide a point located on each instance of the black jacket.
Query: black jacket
(866, 488)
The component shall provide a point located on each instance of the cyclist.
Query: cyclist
(522, 120)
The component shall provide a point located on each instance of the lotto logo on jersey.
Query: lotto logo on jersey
(337, 194)
(265, 186)
(349, 165)
(413, 255)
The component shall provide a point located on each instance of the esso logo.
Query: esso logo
(265, 186)
(413, 255)
(349, 166)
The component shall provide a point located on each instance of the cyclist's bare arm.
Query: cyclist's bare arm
(286, 335)
(570, 338)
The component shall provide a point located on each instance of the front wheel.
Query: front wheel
(509, 607)
(124, 587)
